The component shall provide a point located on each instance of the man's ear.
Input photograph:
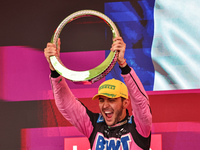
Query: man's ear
(126, 103)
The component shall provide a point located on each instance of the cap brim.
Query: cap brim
(96, 96)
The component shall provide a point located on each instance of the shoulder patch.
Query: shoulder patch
(130, 119)
(100, 118)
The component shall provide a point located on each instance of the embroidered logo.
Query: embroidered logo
(107, 86)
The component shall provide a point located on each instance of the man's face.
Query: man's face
(112, 109)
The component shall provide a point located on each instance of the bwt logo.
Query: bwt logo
(82, 143)
(112, 143)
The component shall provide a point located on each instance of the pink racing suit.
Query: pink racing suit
(134, 134)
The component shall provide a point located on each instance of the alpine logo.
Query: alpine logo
(103, 143)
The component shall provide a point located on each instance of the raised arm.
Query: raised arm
(139, 99)
(139, 102)
(68, 105)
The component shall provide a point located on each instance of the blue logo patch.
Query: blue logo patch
(100, 119)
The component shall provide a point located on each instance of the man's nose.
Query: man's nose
(105, 104)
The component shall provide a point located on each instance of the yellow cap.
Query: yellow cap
(113, 89)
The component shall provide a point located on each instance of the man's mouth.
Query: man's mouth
(108, 114)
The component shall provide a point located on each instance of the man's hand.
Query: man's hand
(51, 50)
(120, 46)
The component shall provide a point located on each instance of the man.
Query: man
(113, 128)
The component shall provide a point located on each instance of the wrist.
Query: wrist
(51, 67)
(54, 74)
(125, 70)
(122, 63)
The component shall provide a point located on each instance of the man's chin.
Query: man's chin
(110, 122)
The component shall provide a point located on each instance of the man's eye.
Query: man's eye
(112, 100)
(101, 100)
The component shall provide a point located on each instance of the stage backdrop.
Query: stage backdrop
(162, 39)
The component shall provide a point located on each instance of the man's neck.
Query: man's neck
(121, 122)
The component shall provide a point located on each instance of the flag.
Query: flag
(162, 40)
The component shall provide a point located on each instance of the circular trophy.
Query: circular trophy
(92, 75)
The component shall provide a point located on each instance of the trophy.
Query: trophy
(94, 74)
